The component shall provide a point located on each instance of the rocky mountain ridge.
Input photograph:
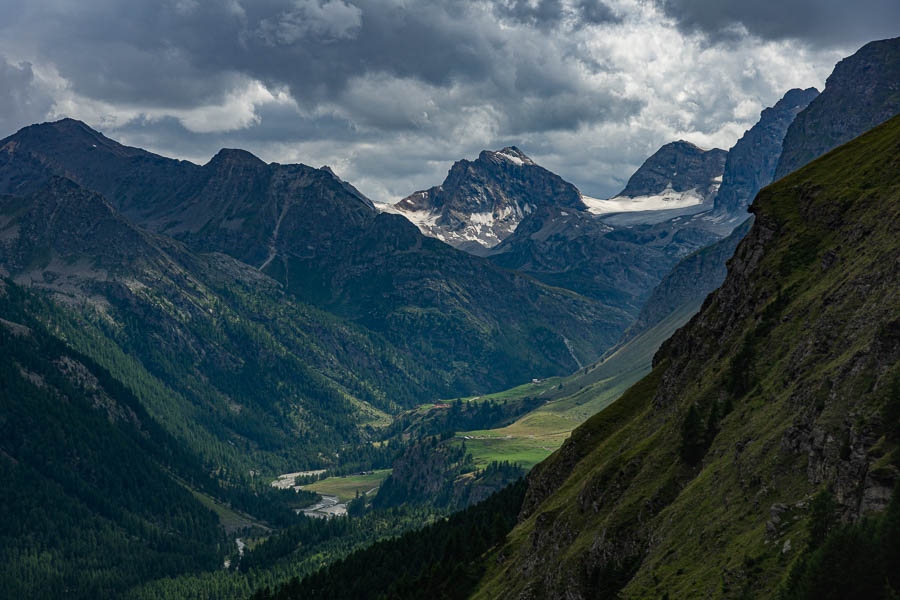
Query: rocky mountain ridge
(861, 92)
(679, 165)
(329, 247)
(752, 160)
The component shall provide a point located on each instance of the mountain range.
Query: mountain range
(759, 457)
(174, 336)
(698, 481)
(329, 247)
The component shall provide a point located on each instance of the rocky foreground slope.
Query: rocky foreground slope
(698, 481)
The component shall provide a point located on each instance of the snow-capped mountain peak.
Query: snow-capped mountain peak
(481, 202)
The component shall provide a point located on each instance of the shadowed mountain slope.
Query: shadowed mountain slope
(329, 247)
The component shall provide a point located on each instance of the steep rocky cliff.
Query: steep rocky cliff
(867, 83)
(752, 160)
(697, 482)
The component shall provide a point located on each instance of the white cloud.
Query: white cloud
(236, 111)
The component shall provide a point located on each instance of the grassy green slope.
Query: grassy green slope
(348, 487)
(787, 368)
(535, 435)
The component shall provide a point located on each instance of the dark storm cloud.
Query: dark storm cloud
(820, 22)
(546, 14)
(542, 13)
(182, 52)
(595, 12)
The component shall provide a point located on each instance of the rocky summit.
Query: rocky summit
(679, 175)
(481, 202)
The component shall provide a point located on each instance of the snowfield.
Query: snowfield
(668, 199)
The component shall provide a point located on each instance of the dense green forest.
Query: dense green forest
(464, 415)
(296, 551)
(848, 561)
(435, 472)
(90, 499)
(103, 501)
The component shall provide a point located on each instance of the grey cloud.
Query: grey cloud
(595, 12)
(327, 21)
(540, 13)
(820, 22)
(546, 14)
(182, 53)
(21, 102)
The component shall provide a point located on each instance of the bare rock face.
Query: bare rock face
(481, 202)
(749, 167)
(751, 162)
(680, 166)
(862, 92)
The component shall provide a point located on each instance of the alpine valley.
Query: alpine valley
(245, 379)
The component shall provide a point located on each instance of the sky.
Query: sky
(390, 93)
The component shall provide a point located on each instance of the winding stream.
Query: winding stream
(328, 506)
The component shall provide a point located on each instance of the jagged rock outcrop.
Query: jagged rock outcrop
(861, 92)
(749, 167)
(752, 160)
(481, 202)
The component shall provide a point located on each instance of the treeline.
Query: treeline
(297, 551)
(367, 457)
(339, 535)
(465, 415)
(442, 560)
